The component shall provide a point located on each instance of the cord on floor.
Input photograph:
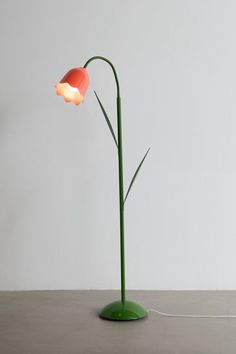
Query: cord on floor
(190, 316)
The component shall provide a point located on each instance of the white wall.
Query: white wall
(58, 168)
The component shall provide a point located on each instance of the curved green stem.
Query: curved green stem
(111, 65)
(120, 169)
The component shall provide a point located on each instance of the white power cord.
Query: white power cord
(190, 316)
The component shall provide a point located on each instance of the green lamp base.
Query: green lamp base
(123, 311)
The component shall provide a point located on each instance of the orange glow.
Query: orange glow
(73, 85)
(70, 94)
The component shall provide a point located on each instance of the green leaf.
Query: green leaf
(107, 119)
(135, 175)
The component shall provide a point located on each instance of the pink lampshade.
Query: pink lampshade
(73, 86)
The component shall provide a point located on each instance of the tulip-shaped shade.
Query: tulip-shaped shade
(73, 85)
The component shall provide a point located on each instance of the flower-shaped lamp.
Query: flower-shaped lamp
(73, 87)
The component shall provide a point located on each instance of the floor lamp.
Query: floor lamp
(73, 87)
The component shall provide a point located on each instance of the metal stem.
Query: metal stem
(120, 170)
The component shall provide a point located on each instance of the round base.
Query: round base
(123, 311)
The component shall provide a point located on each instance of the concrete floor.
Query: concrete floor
(66, 322)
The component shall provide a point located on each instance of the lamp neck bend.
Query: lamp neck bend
(111, 65)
